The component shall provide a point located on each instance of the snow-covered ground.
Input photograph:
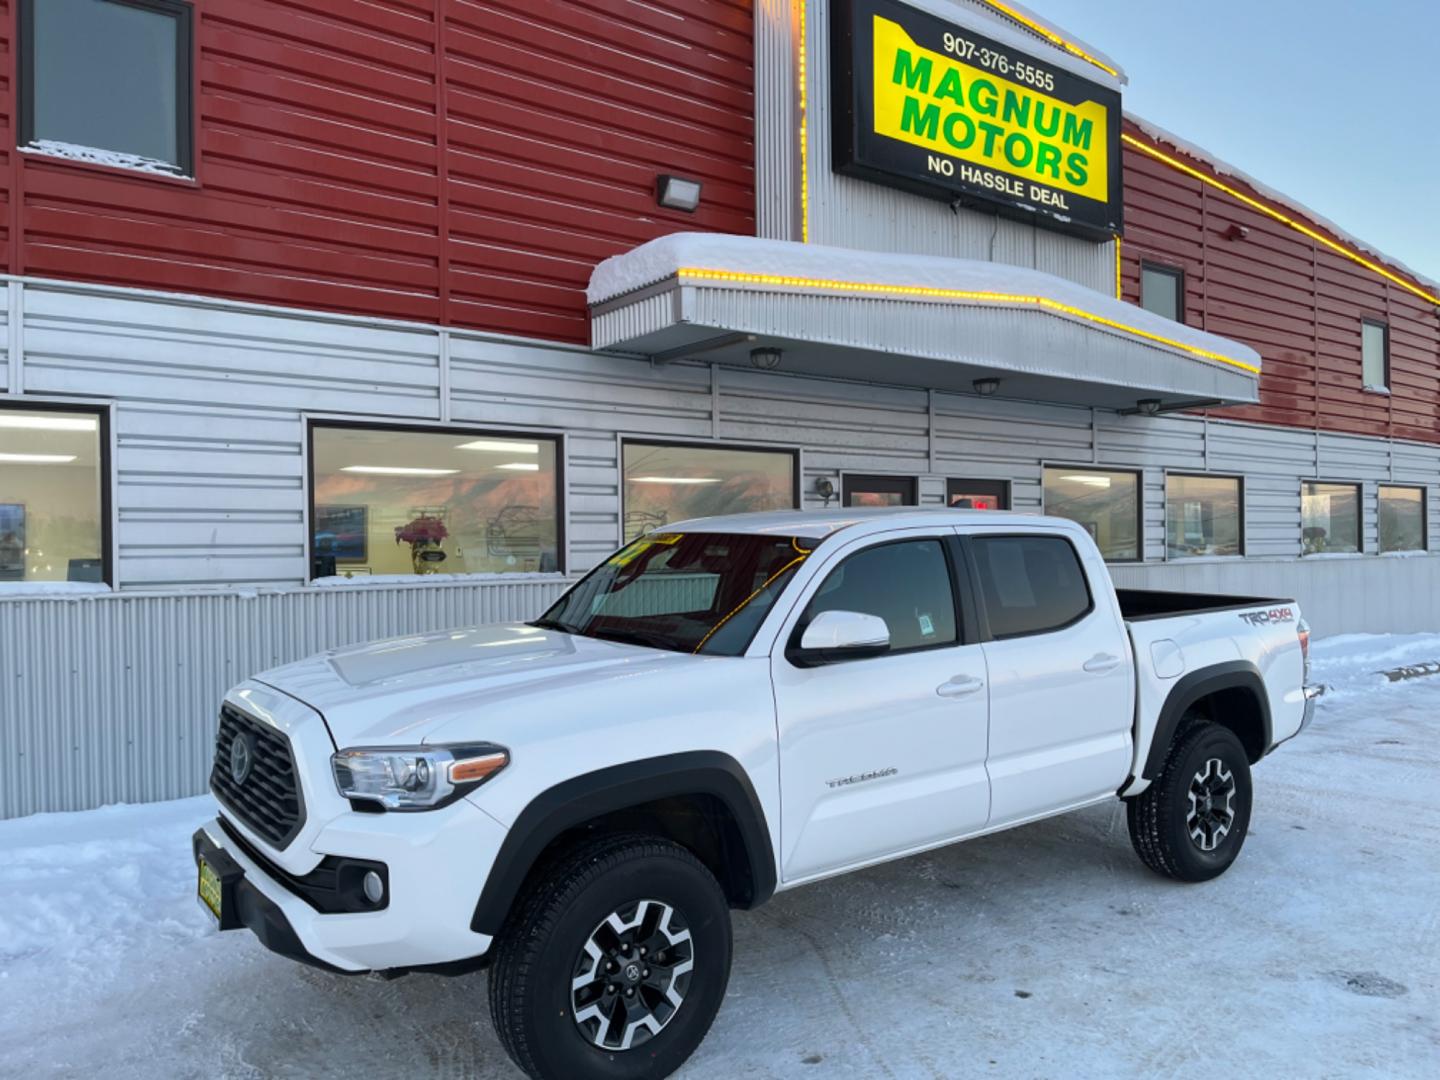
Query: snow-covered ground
(1045, 952)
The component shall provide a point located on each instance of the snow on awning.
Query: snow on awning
(906, 320)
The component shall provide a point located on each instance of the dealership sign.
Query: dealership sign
(930, 106)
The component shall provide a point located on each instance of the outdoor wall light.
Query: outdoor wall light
(825, 488)
(987, 387)
(1236, 232)
(765, 359)
(1148, 406)
(677, 193)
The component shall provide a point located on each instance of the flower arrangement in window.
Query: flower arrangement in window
(424, 534)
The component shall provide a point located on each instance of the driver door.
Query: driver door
(883, 755)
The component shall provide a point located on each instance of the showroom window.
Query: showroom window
(667, 482)
(108, 82)
(1375, 354)
(1402, 518)
(1162, 291)
(433, 501)
(1329, 518)
(54, 505)
(1204, 515)
(1106, 503)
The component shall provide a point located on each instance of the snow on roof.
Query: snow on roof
(1319, 221)
(809, 265)
(1010, 30)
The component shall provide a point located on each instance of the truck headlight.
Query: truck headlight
(415, 777)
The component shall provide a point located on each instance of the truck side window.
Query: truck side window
(1030, 584)
(907, 584)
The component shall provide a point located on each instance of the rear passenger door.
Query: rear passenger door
(883, 755)
(1061, 678)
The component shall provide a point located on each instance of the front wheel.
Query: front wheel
(1190, 824)
(614, 965)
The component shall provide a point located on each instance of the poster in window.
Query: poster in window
(342, 531)
(12, 542)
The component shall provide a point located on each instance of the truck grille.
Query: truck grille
(258, 783)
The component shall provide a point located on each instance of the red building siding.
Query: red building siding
(451, 161)
(1296, 301)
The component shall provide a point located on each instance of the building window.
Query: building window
(1375, 362)
(108, 81)
(1329, 518)
(1402, 518)
(54, 517)
(427, 501)
(667, 482)
(1204, 515)
(1106, 503)
(977, 494)
(880, 491)
(1162, 291)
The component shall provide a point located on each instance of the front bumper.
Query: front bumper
(437, 864)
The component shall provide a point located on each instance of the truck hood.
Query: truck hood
(487, 683)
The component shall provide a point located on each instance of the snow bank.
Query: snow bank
(660, 259)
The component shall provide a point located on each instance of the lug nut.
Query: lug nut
(645, 974)
(630, 992)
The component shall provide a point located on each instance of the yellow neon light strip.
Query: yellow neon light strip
(803, 554)
(730, 277)
(1320, 238)
(1050, 36)
(804, 136)
(1119, 271)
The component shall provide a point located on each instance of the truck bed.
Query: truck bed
(1136, 605)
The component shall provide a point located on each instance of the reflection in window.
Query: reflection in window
(109, 82)
(1402, 518)
(665, 483)
(50, 496)
(880, 491)
(1162, 291)
(1202, 516)
(1031, 584)
(906, 584)
(1375, 361)
(1329, 518)
(441, 502)
(1106, 504)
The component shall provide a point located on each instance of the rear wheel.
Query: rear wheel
(615, 964)
(1191, 823)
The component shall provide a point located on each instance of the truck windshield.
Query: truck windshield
(687, 592)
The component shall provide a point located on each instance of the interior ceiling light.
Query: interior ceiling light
(678, 193)
(520, 466)
(674, 480)
(37, 459)
(500, 447)
(49, 423)
(397, 470)
(1088, 481)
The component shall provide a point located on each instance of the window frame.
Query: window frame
(1192, 474)
(562, 512)
(1384, 327)
(1359, 488)
(1177, 273)
(183, 12)
(796, 475)
(910, 480)
(1004, 488)
(105, 473)
(1138, 474)
(1424, 518)
(966, 624)
(982, 612)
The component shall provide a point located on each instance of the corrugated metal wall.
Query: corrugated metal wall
(113, 698)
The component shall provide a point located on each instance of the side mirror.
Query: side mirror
(835, 636)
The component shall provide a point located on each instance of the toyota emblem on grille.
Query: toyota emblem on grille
(242, 757)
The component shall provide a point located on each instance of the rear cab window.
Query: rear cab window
(1030, 584)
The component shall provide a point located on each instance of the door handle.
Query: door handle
(1102, 664)
(960, 686)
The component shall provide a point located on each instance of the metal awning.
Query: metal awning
(906, 320)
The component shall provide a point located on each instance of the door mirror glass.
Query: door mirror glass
(844, 635)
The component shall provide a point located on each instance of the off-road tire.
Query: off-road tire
(531, 1001)
(1159, 819)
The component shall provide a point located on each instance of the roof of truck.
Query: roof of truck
(816, 524)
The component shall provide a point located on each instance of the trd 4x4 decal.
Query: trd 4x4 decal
(1265, 618)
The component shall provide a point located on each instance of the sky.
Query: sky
(1331, 101)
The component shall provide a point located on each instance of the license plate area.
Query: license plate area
(217, 876)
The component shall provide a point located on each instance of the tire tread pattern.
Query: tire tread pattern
(1151, 814)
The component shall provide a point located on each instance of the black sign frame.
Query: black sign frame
(859, 151)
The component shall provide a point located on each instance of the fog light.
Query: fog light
(374, 887)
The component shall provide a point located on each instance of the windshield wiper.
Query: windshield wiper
(554, 624)
(636, 637)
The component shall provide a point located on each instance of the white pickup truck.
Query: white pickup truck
(723, 710)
